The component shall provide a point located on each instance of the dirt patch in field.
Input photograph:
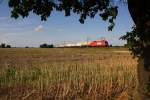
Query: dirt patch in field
(121, 51)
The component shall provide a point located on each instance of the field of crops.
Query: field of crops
(67, 74)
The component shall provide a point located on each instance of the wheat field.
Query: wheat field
(66, 74)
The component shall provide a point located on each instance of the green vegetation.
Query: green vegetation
(3, 45)
(46, 45)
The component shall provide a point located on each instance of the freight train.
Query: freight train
(96, 43)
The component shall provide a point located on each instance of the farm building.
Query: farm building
(99, 43)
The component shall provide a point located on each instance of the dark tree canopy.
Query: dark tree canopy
(84, 8)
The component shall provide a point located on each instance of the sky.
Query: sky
(58, 29)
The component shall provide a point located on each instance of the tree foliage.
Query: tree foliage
(46, 45)
(133, 41)
(84, 8)
(138, 40)
(3, 45)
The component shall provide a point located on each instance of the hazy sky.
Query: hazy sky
(59, 29)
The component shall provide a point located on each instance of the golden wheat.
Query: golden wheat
(66, 73)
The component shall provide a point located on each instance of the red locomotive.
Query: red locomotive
(99, 43)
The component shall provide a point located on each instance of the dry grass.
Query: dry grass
(66, 74)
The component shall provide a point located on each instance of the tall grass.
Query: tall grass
(66, 74)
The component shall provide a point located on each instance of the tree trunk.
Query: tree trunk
(143, 86)
(140, 13)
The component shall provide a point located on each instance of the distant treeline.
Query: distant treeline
(3, 45)
(46, 45)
